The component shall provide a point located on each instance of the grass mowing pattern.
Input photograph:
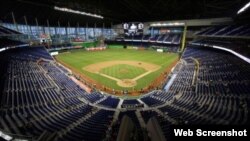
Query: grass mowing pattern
(80, 58)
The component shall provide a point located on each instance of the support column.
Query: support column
(26, 23)
(77, 29)
(48, 26)
(37, 25)
(55, 30)
(111, 26)
(43, 29)
(14, 21)
(184, 38)
(94, 30)
(86, 32)
(48, 33)
(103, 27)
(59, 27)
(68, 30)
(152, 31)
(31, 32)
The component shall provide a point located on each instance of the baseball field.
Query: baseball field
(118, 68)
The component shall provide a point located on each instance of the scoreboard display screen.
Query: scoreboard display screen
(133, 29)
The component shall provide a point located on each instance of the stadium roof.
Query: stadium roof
(116, 11)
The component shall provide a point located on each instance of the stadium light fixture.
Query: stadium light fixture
(244, 8)
(78, 12)
(5, 136)
(167, 24)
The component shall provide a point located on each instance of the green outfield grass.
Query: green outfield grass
(123, 71)
(80, 58)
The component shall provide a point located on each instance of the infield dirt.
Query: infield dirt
(97, 67)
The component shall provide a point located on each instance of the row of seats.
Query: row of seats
(93, 129)
(5, 42)
(226, 30)
(168, 38)
(237, 45)
(110, 102)
(7, 31)
(156, 98)
(130, 101)
(220, 94)
(38, 96)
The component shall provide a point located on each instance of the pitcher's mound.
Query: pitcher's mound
(126, 83)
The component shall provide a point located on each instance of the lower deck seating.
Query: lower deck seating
(110, 102)
(131, 102)
(93, 129)
(38, 97)
(212, 87)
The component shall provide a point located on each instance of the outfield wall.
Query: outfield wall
(86, 44)
(140, 44)
(115, 46)
(145, 46)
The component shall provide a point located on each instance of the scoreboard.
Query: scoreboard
(133, 28)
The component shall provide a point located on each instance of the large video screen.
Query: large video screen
(133, 28)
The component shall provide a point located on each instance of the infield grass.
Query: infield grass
(123, 71)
